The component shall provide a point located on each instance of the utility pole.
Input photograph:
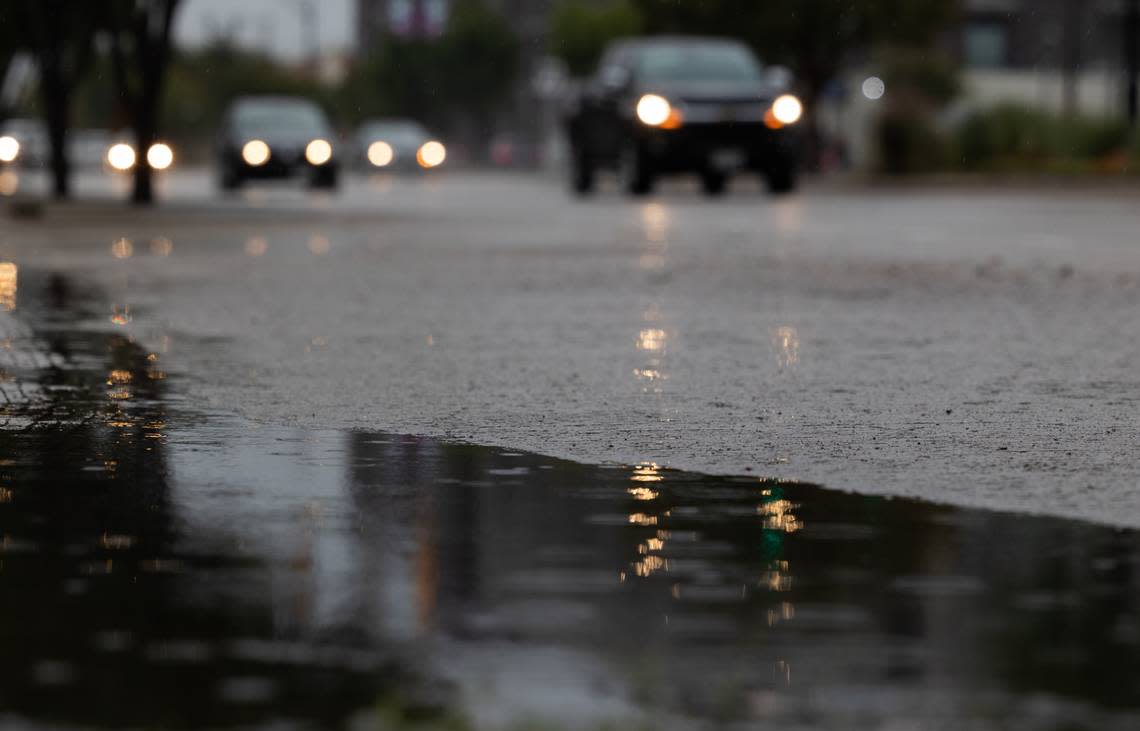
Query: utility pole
(308, 13)
(1132, 57)
(1071, 33)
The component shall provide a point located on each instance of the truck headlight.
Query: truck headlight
(787, 109)
(653, 110)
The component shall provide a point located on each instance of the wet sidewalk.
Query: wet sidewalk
(167, 566)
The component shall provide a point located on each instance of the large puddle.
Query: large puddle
(161, 567)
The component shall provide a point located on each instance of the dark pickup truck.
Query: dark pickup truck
(670, 105)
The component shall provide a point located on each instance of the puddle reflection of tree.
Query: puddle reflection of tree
(652, 567)
(103, 621)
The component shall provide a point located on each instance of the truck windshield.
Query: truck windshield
(692, 62)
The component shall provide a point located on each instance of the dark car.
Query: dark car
(397, 144)
(666, 105)
(276, 137)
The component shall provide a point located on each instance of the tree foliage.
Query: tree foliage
(202, 82)
(479, 55)
(401, 77)
(463, 75)
(580, 31)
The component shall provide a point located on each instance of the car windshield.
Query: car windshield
(693, 62)
(396, 132)
(280, 117)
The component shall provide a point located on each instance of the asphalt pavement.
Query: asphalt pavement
(966, 345)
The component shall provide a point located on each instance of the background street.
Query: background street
(974, 346)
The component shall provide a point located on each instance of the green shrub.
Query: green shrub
(908, 143)
(1014, 136)
(1097, 138)
(1133, 152)
(933, 77)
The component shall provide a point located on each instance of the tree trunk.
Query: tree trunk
(56, 101)
(152, 53)
(143, 193)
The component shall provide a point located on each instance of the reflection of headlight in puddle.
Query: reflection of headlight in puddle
(121, 157)
(9, 182)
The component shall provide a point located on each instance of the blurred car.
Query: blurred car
(276, 137)
(667, 105)
(24, 142)
(397, 144)
(121, 156)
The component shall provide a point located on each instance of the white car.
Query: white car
(397, 144)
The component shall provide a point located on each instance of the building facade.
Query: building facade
(1061, 55)
(1057, 34)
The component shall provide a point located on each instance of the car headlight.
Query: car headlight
(318, 152)
(381, 154)
(121, 157)
(653, 110)
(159, 156)
(787, 109)
(9, 149)
(255, 153)
(431, 154)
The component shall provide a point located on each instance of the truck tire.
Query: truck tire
(633, 171)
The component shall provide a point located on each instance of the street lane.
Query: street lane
(970, 346)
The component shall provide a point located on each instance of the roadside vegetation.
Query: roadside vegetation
(1006, 139)
(1017, 138)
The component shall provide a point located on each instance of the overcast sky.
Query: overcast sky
(273, 25)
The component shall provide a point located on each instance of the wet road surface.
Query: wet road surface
(973, 346)
(167, 564)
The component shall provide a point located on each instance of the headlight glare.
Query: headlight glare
(159, 156)
(318, 152)
(431, 154)
(653, 110)
(121, 157)
(381, 154)
(787, 109)
(9, 149)
(255, 153)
